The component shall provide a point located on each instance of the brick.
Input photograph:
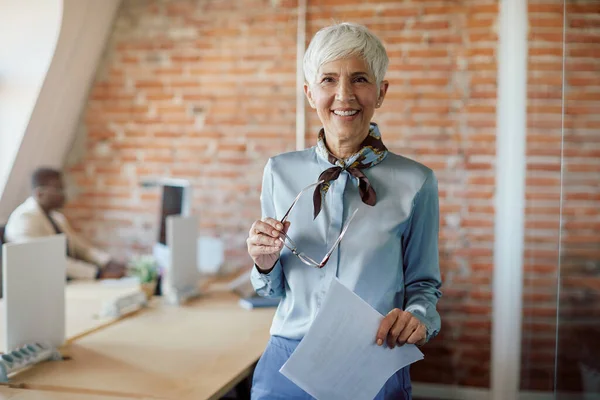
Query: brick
(582, 96)
(541, 268)
(441, 10)
(583, 38)
(548, 22)
(537, 181)
(429, 82)
(584, 23)
(404, 39)
(427, 53)
(159, 96)
(545, 66)
(182, 59)
(484, 52)
(482, 9)
(473, 23)
(546, 51)
(476, 209)
(584, 8)
(149, 85)
(172, 109)
(543, 195)
(537, 95)
(585, 52)
(552, 37)
(583, 66)
(545, 7)
(445, 39)
(431, 25)
(472, 309)
(400, 12)
(479, 109)
(483, 37)
(538, 311)
(480, 94)
(128, 59)
(539, 109)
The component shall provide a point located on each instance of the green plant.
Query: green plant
(145, 268)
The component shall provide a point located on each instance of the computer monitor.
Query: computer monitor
(172, 204)
(176, 199)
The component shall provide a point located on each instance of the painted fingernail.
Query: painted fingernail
(279, 226)
(275, 233)
(379, 342)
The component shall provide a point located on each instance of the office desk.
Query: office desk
(83, 306)
(84, 301)
(7, 393)
(199, 351)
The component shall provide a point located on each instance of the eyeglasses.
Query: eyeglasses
(291, 245)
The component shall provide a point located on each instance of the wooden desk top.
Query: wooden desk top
(198, 351)
(7, 393)
(83, 306)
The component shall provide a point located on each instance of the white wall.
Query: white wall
(29, 31)
(47, 124)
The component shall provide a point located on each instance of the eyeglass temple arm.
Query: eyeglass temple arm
(297, 198)
(294, 249)
(339, 239)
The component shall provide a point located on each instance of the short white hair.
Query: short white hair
(341, 41)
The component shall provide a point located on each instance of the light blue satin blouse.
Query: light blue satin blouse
(388, 257)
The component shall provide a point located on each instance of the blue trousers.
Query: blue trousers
(269, 384)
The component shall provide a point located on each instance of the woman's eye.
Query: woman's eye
(361, 79)
(327, 79)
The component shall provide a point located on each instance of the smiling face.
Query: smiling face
(345, 95)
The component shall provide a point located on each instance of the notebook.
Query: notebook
(258, 302)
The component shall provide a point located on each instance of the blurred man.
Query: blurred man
(38, 216)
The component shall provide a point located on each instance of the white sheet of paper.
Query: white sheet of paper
(338, 357)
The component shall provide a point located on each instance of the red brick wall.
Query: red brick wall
(205, 91)
(440, 110)
(562, 256)
(579, 305)
(202, 91)
(542, 214)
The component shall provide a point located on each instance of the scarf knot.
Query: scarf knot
(371, 153)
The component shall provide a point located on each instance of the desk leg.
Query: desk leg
(243, 389)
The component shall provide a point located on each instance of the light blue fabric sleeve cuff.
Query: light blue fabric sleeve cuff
(432, 322)
(268, 285)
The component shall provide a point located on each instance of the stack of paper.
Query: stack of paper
(338, 359)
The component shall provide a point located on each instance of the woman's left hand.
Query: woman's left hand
(400, 327)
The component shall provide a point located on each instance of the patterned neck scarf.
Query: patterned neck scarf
(371, 153)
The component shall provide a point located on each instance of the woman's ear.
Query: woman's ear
(383, 87)
(308, 94)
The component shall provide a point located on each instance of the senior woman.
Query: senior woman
(346, 208)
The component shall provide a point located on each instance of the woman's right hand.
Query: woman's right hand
(264, 244)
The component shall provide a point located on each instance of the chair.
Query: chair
(2, 227)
